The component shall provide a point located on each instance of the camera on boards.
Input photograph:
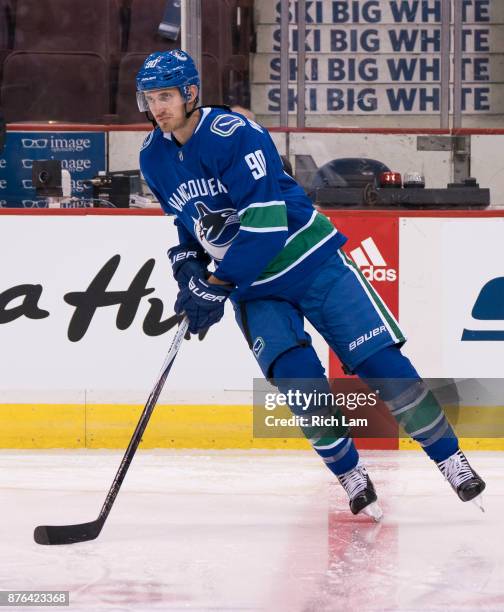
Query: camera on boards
(47, 178)
(120, 189)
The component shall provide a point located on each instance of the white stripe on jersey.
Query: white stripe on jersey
(312, 219)
(264, 230)
(261, 205)
(295, 263)
(373, 300)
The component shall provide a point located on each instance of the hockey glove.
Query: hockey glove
(187, 260)
(202, 302)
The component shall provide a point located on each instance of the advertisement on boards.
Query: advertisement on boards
(452, 295)
(473, 298)
(81, 153)
(367, 57)
(373, 245)
(87, 307)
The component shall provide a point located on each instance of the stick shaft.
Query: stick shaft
(144, 419)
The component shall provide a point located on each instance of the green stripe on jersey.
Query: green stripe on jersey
(273, 215)
(378, 301)
(296, 249)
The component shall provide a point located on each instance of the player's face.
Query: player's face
(167, 108)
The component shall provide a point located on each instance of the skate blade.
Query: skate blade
(478, 502)
(374, 511)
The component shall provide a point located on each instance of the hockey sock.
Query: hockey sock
(410, 402)
(331, 442)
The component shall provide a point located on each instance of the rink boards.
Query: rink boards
(86, 318)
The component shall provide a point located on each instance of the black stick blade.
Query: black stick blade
(67, 534)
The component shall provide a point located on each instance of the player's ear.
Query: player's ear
(193, 93)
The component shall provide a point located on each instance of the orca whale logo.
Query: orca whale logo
(216, 229)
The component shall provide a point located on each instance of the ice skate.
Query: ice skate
(361, 492)
(466, 483)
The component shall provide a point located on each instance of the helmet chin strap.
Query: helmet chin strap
(223, 106)
(195, 107)
(151, 119)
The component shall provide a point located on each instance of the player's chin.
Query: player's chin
(166, 125)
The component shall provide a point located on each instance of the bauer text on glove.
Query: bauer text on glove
(202, 302)
(187, 260)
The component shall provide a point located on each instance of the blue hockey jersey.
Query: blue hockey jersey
(229, 192)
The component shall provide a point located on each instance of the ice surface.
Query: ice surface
(252, 530)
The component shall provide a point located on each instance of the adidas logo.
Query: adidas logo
(370, 261)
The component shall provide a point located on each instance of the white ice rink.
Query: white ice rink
(242, 530)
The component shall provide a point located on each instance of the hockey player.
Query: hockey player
(278, 261)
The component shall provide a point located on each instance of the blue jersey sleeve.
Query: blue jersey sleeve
(185, 237)
(250, 168)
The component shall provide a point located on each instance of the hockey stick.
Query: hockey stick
(69, 534)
